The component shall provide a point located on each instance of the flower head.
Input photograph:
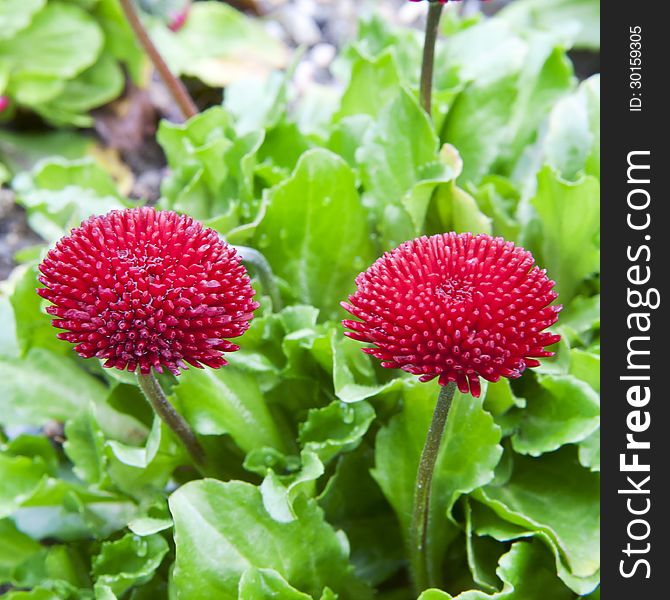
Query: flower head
(457, 307)
(146, 288)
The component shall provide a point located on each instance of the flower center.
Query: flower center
(454, 291)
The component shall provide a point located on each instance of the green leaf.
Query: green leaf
(264, 584)
(85, 444)
(144, 526)
(353, 502)
(17, 14)
(97, 85)
(373, 83)
(279, 493)
(218, 45)
(498, 198)
(575, 21)
(21, 476)
(120, 40)
(468, 455)
(569, 214)
(15, 548)
(129, 561)
(308, 217)
(572, 143)
(339, 427)
(589, 451)
(526, 571)
(228, 401)
(60, 194)
(499, 112)
(570, 520)
(211, 167)
(401, 166)
(61, 41)
(564, 411)
(45, 386)
(32, 324)
(144, 471)
(213, 553)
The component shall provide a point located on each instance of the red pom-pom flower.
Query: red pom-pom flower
(457, 307)
(146, 288)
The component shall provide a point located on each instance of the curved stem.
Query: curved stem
(156, 397)
(424, 479)
(265, 274)
(174, 85)
(432, 24)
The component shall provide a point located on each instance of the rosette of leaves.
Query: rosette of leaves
(62, 59)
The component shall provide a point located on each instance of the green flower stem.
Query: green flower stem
(156, 397)
(177, 89)
(259, 262)
(432, 25)
(424, 479)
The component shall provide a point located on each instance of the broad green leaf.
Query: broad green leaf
(487, 524)
(400, 167)
(21, 151)
(571, 519)
(258, 104)
(572, 142)
(586, 366)
(120, 40)
(15, 548)
(97, 85)
(262, 584)
(458, 211)
(9, 344)
(498, 198)
(339, 427)
(575, 21)
(315, 231)
(279, 493)
(69, 511)
(218, 45)
(21, 477)
(483, 553)
(373, 83)
(570, 217)
(526, 572)
(144, 526)
(353, 502)
(128, 561)
(352, 370)
(61, 41)
(589, 452)
(60, 194)
(17, 14)
(32, 325)
(144, 471)
(582, 316)
(45, 386)
(211, 168)
(213, 552)
(85, 447)
(565, 410)
(507, 98)
(227, 401)
(468, 456)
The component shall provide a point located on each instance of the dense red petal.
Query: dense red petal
(455, 306)
(146, 288)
